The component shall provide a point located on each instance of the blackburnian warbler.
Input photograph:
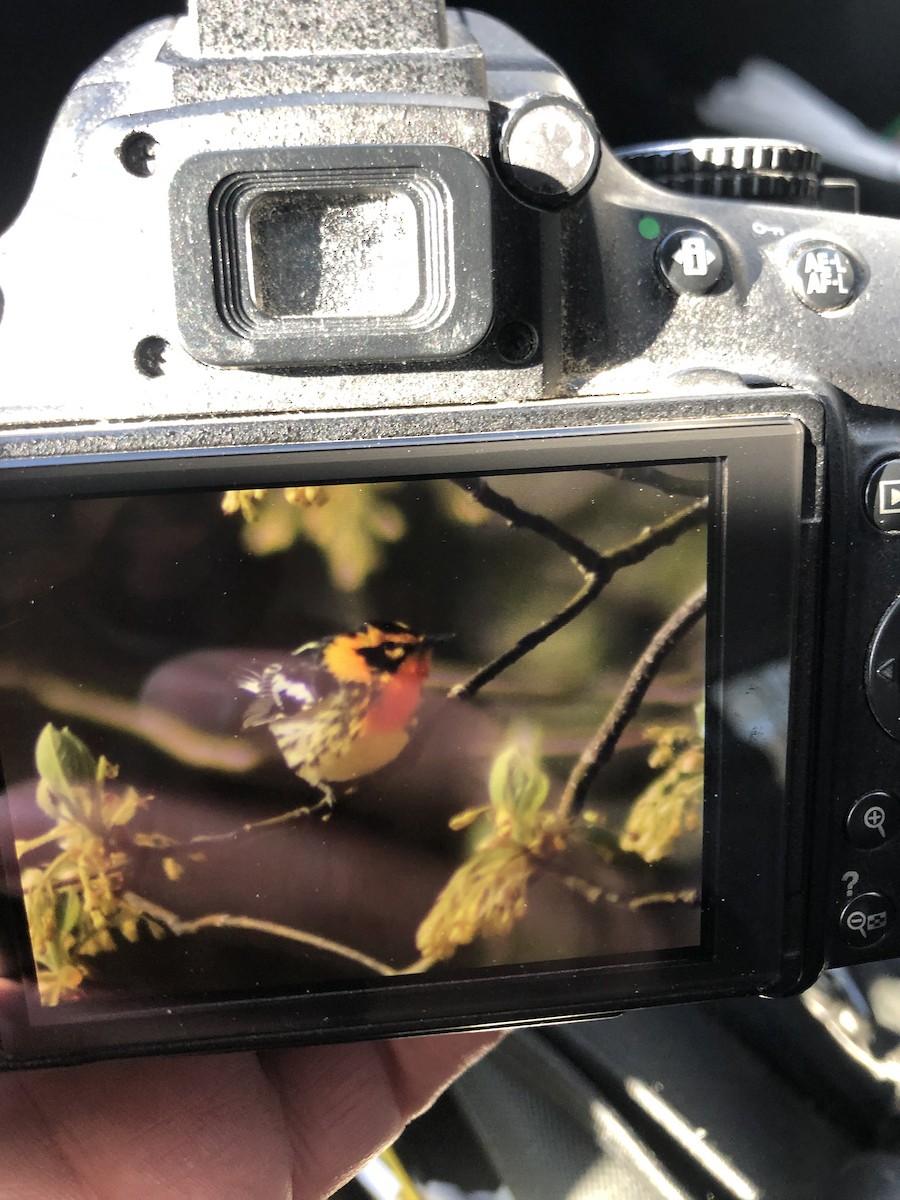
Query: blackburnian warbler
(342, 707)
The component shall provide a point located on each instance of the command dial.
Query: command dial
(733, 169)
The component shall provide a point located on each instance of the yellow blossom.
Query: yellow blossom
(74, 903)
(487, 895)
(672, 805)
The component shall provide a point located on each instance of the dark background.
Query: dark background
(638, 63)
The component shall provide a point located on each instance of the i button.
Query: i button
(691, 261)
(883, 497)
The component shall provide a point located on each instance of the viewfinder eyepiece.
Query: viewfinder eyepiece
(333, 255)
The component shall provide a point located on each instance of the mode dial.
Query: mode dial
(735, 169)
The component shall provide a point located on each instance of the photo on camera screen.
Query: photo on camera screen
(273, 742)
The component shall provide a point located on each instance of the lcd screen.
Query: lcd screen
(271, 742)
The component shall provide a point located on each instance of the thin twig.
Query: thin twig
(592, 892)
(596, 567)
(654, 537)
(602, 746)
(684, 896)
(161, 843)
(663, 481)
(531, 640)
(295, 814)
(180, 928)
(523, 518)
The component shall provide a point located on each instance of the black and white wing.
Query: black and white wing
(291, 690)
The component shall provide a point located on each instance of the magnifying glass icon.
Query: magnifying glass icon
(857, 922)
(875, 818)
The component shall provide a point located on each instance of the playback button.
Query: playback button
(867, 919)
(883, 497)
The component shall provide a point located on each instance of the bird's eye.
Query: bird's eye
(393, 651)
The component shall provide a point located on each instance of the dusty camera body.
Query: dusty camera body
(303, 243)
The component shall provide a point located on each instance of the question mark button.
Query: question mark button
(867, 919)
(851, 878)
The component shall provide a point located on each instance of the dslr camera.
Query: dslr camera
(450, 570)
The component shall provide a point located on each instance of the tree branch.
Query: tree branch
(602, 746)
(596, 567)
(592, 892)
(295, 814)
(179, 927)
(663, 481)
(579, 602)
(522, 518)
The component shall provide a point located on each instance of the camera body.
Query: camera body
(345, 247)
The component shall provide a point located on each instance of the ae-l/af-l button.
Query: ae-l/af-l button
(823, 276)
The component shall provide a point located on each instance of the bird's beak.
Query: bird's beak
(434, 639)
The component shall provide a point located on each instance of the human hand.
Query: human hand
(279, 1125)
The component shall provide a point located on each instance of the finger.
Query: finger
(158, 1129)
(343, 1104)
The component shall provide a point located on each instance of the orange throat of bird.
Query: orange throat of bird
(398, 695)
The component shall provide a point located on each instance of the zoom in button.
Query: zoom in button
(873, 821)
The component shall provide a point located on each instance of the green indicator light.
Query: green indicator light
(648, 227)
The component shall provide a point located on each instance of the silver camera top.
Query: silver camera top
(302, 208)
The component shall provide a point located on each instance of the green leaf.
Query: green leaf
(68, 911)
(351, 526)
(64, 761)
(517, 783)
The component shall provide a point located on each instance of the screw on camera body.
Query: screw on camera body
(149, 356)
(137, 154)
(517, 342)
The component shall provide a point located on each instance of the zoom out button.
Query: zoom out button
(867, 920)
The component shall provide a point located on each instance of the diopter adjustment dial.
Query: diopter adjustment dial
(733, 169)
